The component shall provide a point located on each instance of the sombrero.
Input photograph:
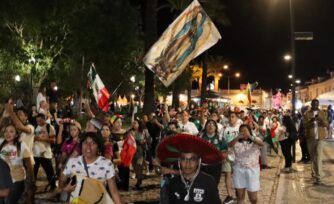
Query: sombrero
(170, 149)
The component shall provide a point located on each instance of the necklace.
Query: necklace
(188, 185)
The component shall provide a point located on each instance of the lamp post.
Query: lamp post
(293, 69)
(293, 55)
(236, 75)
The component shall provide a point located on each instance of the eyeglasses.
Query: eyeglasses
(190, 159)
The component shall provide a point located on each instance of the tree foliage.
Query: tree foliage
(58, 33)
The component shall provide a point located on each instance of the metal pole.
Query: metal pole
(293, 69)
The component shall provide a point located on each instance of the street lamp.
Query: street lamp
(297, 81)
(225, 67)
(290, 76)
(133, 79)
(287, 57)
(236, 75)
(17, 78)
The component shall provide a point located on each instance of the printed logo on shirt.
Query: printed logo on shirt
(198, 194)
(177, 196)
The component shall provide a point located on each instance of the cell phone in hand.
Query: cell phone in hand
(73, 180)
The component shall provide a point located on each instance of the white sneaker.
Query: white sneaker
(287, 169)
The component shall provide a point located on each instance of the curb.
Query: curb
(272, 199)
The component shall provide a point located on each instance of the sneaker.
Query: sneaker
(287, 169)
(229, 200)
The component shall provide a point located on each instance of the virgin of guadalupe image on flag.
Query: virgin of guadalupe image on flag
(188, 36)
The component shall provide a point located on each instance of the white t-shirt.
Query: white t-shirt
(268, 122)
(231, 132)
(15, 161)
(240, 122)
(28, 139)
(45, 112)
(102, 169)
(246, 154)
(189, 127)
(40, 97)
(43, 149)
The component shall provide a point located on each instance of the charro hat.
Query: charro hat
(170, 149)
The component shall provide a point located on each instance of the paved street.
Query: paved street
(298, 187)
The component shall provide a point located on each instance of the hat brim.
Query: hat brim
(170, 149)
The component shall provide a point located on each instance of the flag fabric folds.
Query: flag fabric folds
(249, 89)
(100, 92)
(188, 36)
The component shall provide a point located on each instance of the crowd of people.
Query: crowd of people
(100, 153)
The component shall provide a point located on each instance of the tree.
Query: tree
(57, 34)
(150, 36)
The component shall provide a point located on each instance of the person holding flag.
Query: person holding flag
(249, 89)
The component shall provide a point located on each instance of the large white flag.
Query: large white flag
(189, 35)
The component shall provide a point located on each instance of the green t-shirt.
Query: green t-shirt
(219, 144)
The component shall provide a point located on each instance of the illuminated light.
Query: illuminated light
(237, 74)
(287, 57)
(225, 66)
(290, 76)
(133, 79)
(17, 78)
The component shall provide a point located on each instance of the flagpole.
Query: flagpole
(82, 82)
(119, 85)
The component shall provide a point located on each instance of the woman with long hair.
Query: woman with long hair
(141, 136)
(211, 135)
(92, 165)
(17, 156)
(108, 146)
(71, 147)
(286, 141)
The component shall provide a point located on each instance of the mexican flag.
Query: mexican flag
(249, 89)
(100, 92)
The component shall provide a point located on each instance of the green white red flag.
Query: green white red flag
(249, 89)
(188, 36)
(100, 92)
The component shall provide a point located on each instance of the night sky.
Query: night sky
(259, 35)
